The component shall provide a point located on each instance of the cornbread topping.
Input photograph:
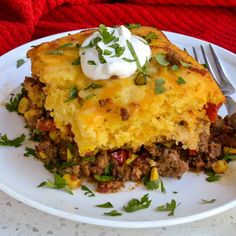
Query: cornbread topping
(113, 52)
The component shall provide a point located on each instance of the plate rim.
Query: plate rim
(106, 222)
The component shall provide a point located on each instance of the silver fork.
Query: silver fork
(218, 74)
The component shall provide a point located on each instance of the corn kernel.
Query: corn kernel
(229, 150)
(30, 114)
(152, 163)
(53, 135)
(131, 159)
(69, 155)
(24, 105)
(168, 144)
(154, 174)
(72, 181)
(220, 166)
(42, 155)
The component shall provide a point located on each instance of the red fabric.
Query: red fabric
(24, 20)
(227, 3)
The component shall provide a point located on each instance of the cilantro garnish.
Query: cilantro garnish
(119, 51)
(133, 26)
(180, 80)
(36, 135)
(58, 50)
(161, 59)
(13, 103)
(114, 45)
(55, 52)
(76, 62)
(88, 192)
(153, 185)
(174, 192)
(136, 204)
(59, 183)
(168, 207)
(93, 86)
(103, 178)
(159, 86)
(19, 63)
(150, 36)
(127, 59)
(105, 205)
(174, 67)
(203, 201)
(90, 62)
(65, 45)
(100, 54)
(29, 152)
(73, 93)
(89, 96)
(88, 159)
(107, 52)
(134, 55)
(212, 176)
(184, 64)
(16, 142)
(106, 36)
(113, 213)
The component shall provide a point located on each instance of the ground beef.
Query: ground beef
(171, 165)
(109, 187)
(101, 161)
(141, 167)
(46, 151)
(121, 172)
(203, 144)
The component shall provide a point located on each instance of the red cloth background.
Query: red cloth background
(24, 20)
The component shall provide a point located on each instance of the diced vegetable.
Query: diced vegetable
(24, 105)
(220, 166)
(154, 174)
(229, 150)
(46, 125)
(72, 181)
(120, 155)
(131, 159)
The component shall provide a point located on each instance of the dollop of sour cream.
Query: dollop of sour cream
(108, 52)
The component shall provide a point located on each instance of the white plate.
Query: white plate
(20, 175)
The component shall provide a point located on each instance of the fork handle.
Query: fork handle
(230, 105)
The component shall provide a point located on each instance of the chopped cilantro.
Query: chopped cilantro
(150, 36)
(133, 26)
(105, 205)
(19, 63)
(73, 93)
(100, 54)
(184, 64)
(161, 59)
(175, 67)
(134, 55)
(59, 183)
(65, 45)
(168, 207)
(106, 36)
(103, 178)
(174, 192)
(203, 201)
(153, 185)
(180, 80)
(16, 142)
(127, 59)
(36, 135)
(89, 96)
(29, 152)
(159, 86)
(229, 157)
(114, 45)
(90, 62)
(107, 52)
(93, 86)
(13, 103)
(135, 204)
(88, 159)
(113, 213)
(212, 176)
(76, 62)
(119, 51)
(88, 192)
